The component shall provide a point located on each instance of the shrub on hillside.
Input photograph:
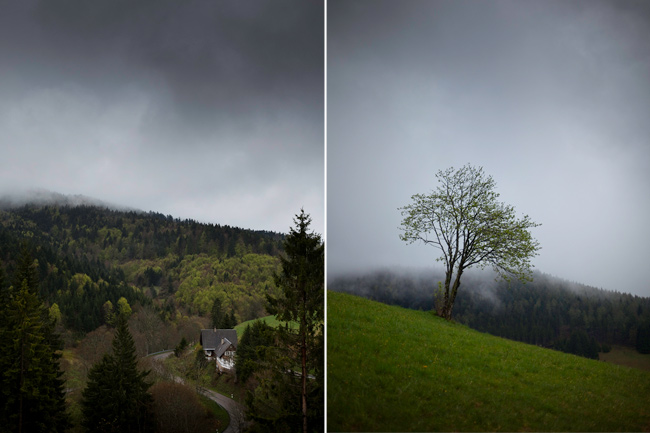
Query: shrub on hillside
(177, 409)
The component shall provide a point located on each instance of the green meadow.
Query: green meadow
(270, 320)
(394, 369)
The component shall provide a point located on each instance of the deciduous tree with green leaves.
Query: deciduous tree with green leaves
(464, 219)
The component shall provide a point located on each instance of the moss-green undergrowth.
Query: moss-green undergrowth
(393, 369)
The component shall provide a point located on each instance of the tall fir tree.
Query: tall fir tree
(216, 314)
(32, 398)
(232, 321)
(116, 398)
(643, 339)
(250, 350)
(302, 300)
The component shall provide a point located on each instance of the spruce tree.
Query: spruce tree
(32, 398)
(232, 322)
(643, 339)
(251, 347)
(302, 300)
(116, 398)
(216, 314)
(97, 404)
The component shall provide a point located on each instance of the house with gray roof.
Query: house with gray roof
(220, 345)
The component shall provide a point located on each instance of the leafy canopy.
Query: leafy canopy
(464, 219)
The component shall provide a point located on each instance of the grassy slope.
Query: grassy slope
(270, 320)
(393, 369)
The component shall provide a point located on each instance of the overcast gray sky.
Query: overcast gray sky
(552, 98)
(203, 109)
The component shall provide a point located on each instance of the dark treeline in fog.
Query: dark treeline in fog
(548, 311)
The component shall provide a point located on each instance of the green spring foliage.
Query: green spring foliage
(465, 221)
(88, 256)
(240, 282)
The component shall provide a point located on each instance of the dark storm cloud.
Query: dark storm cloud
(207, 106)
(551, 98)
(234, 56)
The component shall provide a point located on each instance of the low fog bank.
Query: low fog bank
(411, 287)
(415, 287)
(548, 311)
(43, 197)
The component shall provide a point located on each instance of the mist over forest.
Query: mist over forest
(549, 311)
(16, 198)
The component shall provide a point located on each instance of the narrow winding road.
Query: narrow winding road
(234, 409)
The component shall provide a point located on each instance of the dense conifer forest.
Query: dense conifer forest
(548, 311)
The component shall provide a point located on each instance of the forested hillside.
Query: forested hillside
(548, 311)
(89, 257)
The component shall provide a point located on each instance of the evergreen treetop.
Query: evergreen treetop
(301, 282)
(116, 398)
(31, 389)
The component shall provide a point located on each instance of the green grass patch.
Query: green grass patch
(394, 369)
(74, 371)
(272, 321)
(75, 382)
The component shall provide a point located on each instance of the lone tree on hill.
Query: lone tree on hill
(463, 218)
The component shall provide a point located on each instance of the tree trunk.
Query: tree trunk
(450, 295)
(20, 395)
(445, 303)
(303, 355)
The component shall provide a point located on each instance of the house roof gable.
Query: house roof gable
(223, 348)
(211, 338)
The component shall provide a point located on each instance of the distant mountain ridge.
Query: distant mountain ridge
(44, 197)
(88, 253)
